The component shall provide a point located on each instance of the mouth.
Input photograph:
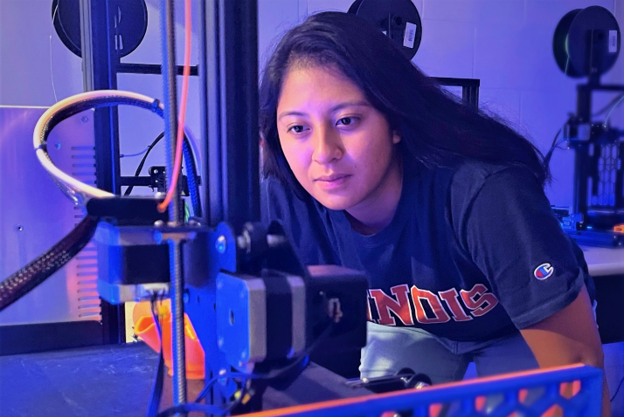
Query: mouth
(332, 178)
(332, 181)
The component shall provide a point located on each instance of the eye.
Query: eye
(346, 121)
(296, 129)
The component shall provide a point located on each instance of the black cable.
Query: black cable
(210, 384)
(37, 271)
(618, 388)
(220, 411)
(240, 398)
(189, 161)
(554, 145)
(205, 408)
(245, 379)
(271, 374)
(157, 387)
(142, 162)
(608, 106)
(194, 188)
(547, 159)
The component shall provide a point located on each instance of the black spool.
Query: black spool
(131, 23)
(398, 19)
(586, 42)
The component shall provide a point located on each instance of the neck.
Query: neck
(377, 211)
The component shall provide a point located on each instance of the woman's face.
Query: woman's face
(339, 147)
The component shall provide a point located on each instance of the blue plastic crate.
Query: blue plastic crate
(574, 390)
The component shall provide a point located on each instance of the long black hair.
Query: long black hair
(436, 128)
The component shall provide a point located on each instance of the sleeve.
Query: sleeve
(517, 242)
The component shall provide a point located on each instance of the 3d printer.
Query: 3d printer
(586, 43)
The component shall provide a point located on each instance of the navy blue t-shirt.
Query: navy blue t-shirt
(472, 253)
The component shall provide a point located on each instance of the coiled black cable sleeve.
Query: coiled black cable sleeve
(37, 271)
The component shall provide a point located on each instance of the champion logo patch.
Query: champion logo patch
(543, 271)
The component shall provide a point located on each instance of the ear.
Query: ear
(396, 137)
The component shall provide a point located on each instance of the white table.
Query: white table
(604, 261)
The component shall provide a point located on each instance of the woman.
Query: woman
(371, 165)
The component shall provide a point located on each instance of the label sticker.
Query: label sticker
(612, 34)
(409, 34)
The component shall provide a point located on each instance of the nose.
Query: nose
(327, 145)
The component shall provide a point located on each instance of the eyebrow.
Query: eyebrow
(333, 109)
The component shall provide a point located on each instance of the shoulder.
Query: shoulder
(481, 189)
(474, 174)
(468, 176)
(463, 180)
(454, 186)
(471, 179)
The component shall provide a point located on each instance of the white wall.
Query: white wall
(507, 44)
